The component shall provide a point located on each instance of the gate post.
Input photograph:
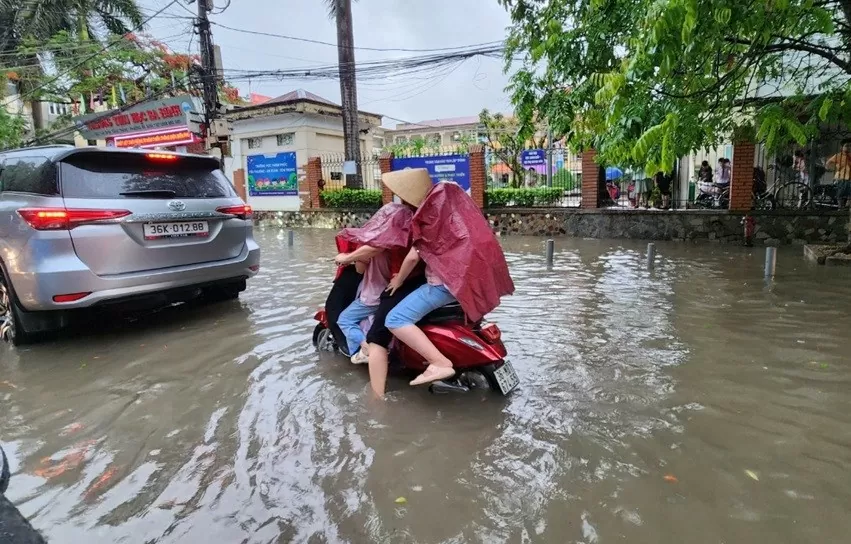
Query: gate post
(314, 179)
(385, 164)
(741, 181)
(590, 181)
(478, 174)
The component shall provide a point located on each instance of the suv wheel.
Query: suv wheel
(11, 328)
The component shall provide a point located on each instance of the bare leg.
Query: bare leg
(414, 337)
(378, 363)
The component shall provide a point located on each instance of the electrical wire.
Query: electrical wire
(320, 42)
(88, 58)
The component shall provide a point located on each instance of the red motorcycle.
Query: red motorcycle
(475, 349)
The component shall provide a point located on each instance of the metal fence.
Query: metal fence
(805, 177)
(522, 180)
(334, 177)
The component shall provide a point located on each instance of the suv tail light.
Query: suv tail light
(243, 211)
(66, 218)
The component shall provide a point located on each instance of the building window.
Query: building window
(255, 143)
(52, 108)
(401, 139)
(285, 139)
(434, 138)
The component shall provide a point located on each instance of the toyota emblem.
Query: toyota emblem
(176, 205)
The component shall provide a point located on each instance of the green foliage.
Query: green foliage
(523, 198)
(12, 129)
(352, 198)
(646, 81)
(137, 64)
(564, 179)
(417, 146)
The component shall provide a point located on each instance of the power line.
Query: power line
(320, 42)
(88, 58)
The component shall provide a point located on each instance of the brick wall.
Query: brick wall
(478, 174)
(239, 184)
(385, 162)
(313, 177)
(590, 173)
(741, 182)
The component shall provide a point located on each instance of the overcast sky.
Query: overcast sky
(476, 84)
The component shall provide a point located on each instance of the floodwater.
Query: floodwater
(688, 404)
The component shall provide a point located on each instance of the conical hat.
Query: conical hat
(411, 185)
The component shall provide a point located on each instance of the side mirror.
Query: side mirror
(5, 474)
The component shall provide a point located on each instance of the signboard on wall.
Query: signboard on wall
(272, 175)
(441, 168)
(147, 116)
(157, 138)
(532, 158)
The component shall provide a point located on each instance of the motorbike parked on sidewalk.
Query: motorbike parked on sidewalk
(712, 197)
(475, 349)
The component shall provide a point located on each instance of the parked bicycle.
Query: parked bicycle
(783, 194)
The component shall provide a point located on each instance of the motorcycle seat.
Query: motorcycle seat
(444, 314)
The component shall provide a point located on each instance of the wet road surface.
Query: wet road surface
(690, 404)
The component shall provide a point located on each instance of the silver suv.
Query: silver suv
(85, 228)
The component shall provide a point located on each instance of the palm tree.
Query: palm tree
(341, 11)
(42, 19)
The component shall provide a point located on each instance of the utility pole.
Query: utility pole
(209, 77)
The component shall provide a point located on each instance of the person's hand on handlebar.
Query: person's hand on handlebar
(343, 259)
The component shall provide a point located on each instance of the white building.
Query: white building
(298, 122)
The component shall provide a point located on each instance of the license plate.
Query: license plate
(176, 230)
(506, 378)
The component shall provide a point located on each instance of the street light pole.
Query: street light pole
(550, 151)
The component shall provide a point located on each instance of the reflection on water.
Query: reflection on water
(688, 404)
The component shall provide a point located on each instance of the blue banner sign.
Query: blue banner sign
(441, 168)
(531, 158)
(272, 175)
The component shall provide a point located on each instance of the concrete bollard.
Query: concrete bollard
(551, 245)
(290, 238)
(651, 255)
(770, 262)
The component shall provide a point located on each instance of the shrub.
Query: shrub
(523, 198)
(352, 198)
(564, 179)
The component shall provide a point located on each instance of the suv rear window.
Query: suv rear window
(114, 175)
(36, 175)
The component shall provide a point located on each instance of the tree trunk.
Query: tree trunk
(348, 89)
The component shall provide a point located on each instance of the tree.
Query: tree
(12, 129)
(341, 12)
(507, 138)
(646, 81)
(40, 20)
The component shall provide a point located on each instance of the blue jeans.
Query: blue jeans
(416, 305)
(349, 322)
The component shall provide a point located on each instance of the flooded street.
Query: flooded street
(688, 404)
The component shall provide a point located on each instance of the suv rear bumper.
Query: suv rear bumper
(35, 290)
